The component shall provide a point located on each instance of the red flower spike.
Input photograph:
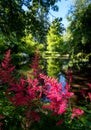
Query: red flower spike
(6, 70)
(7, 59)
(35, 65)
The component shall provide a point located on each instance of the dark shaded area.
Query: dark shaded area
(81, 79)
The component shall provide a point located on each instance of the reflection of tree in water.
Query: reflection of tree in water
(54, 66)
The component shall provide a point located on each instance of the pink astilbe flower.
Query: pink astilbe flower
(6, 70)
(35, 65)
(19, 93)
(67, 93)
(34, 89)
(62, 107)
(25, 91)
(58, 99)
(76, 112)
(7, 59)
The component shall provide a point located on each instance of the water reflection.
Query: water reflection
(54, 66)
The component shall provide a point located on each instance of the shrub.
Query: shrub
(22, 102)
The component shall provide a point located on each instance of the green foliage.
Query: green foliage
(48, 122)
(12, 115)
(12, 17)
(79, 31)
(19, 18)
(79, 61)
(54, 37)
(29, 44)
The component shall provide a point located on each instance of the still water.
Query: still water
(54, 67)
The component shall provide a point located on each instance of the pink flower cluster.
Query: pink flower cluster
(59, 100)
(76, 112)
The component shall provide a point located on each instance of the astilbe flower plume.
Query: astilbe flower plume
(58, 99)
(6, 70)
(76, 112)
(36, 69)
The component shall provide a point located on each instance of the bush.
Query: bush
(22, 104)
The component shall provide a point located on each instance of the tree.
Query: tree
(15, 19)
(12, 17)
(80, 30)
(37, 23)
(54, 37)
(30, 45)
(37, 18)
